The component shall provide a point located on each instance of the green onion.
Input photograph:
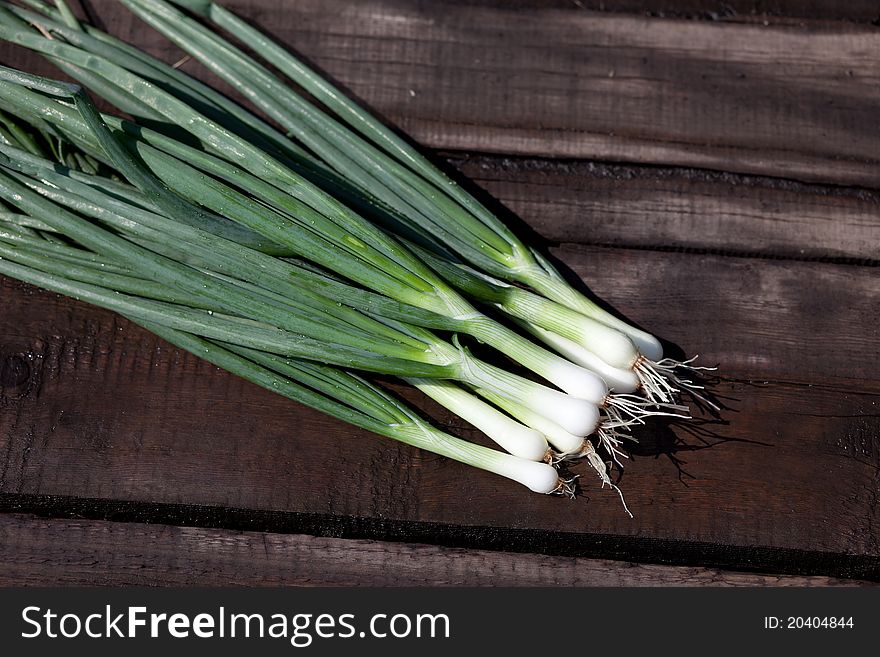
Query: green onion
(428, 356)
(168, 321)
(569, 446)
(71, 263)
(518, 439)
(403, 426)
(292, 261)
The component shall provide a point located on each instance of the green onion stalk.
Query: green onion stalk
(89, 268)
(87, 284)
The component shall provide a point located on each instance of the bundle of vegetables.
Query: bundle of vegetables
(293, 259)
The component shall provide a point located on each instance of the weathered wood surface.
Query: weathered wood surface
(774, 279)
(39, 552)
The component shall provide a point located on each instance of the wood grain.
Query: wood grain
(41, 552)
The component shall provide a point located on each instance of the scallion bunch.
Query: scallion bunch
(304, 251)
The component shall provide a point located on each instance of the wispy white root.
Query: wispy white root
(612, 442)
(561, 457)
(608, 438)
(633, 409)
(662, 384)
(565, 487)
(598, 465)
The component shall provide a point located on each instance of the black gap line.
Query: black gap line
(765, 560)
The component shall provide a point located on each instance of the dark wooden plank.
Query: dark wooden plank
(576, 84)
(41, 552)
(795, 466)
(594, 203)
